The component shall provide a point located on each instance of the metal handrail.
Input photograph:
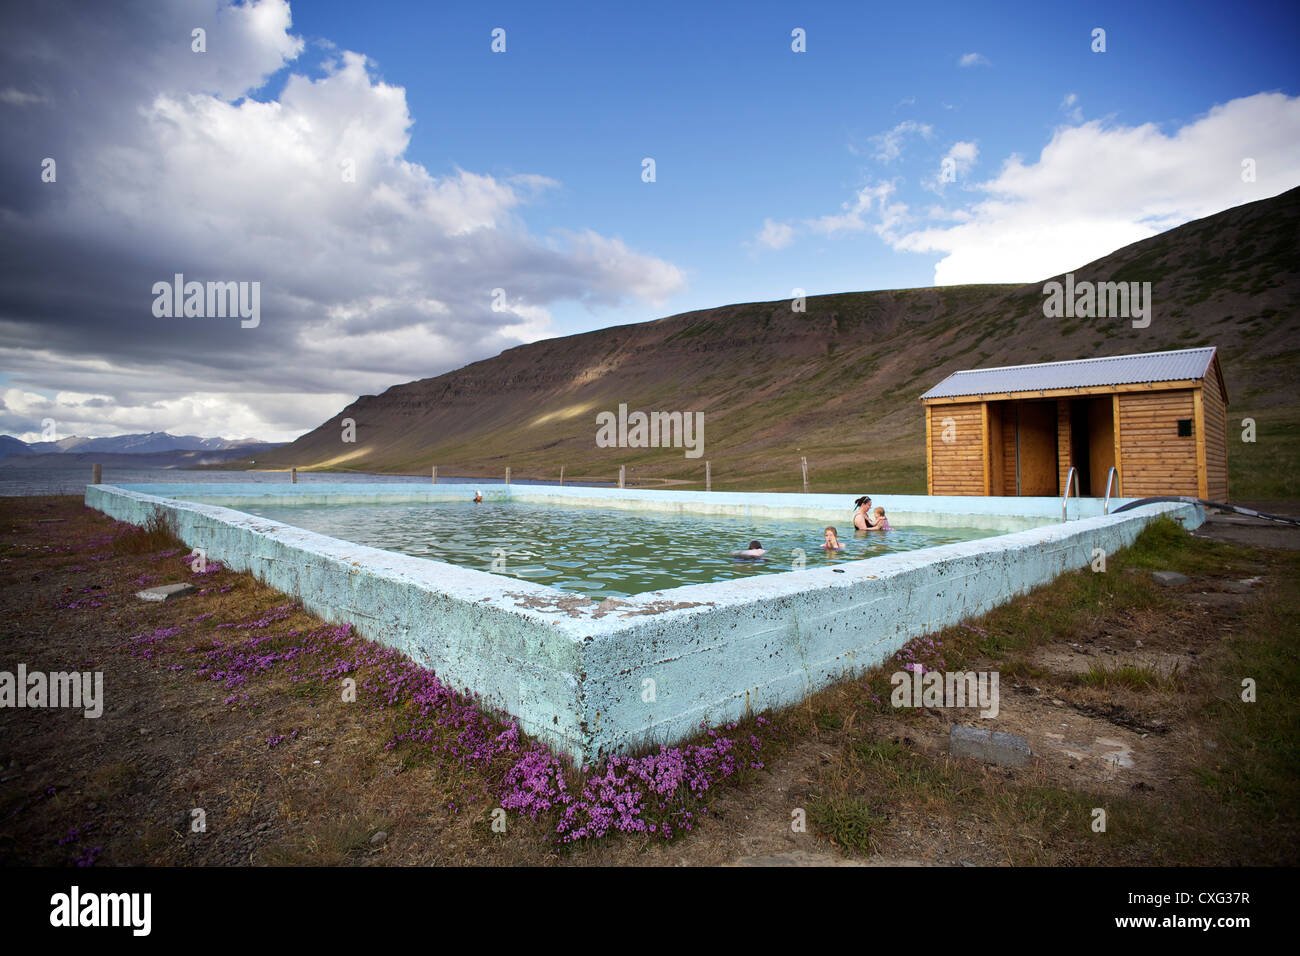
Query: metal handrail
(1071, 475)
(1113, 476)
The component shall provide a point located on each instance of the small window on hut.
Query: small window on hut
(1184, 428)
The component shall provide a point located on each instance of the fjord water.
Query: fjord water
(596, 551)
(72, 479)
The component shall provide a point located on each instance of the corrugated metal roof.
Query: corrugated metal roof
(1078, 373)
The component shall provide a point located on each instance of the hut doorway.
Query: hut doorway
(1092, 443)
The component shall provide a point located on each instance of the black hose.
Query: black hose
(1249, 512)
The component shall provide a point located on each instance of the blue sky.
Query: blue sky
(743, 129)
(522, 171)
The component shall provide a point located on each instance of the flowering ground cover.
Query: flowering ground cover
(245, 648)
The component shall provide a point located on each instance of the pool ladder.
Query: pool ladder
(1112, 477)
(1073, 476)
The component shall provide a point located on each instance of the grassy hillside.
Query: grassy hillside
(839, 383)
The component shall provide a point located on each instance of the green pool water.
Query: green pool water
(595, 551)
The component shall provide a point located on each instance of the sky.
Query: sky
(410, 200)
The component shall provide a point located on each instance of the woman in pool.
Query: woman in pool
(832, 540)
(862, 517)
(753, 553)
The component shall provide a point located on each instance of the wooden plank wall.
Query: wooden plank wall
(1064, 450)
(997, 464)
(1216, 439)
(1156, 461)
(958, 466)
(1010, 486)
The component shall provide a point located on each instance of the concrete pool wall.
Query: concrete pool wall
(995, 514)
(595, 678)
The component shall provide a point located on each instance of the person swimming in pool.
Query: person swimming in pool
(882, 523)
(863, 520)
(832, 540)
(753, 553)
(478, 496)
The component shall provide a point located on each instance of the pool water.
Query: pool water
(596, 551)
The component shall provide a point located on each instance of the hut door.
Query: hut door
(1101, 444)
(1036, 448)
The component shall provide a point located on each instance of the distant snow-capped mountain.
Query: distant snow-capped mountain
(142, 444)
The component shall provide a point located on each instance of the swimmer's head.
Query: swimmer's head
(755, 546)
(865, 499)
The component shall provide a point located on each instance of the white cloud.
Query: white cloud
(889, 145)
(1095, 188)
(16, 97)
(851, 218)
(176, 165)
(775, 235)
(1069, 106)
(956, 163)
(963, 154)
(615, 271)
(973, 59)
(268, 416)
(869, 199)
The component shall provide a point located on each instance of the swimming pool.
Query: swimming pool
(593, 677)
(599, 552)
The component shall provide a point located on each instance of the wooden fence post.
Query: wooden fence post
(622, 475)
(96, 473)
(561, 476)
(507, 474)
(708, 476)
(804, 461)
(293, 476)
(435, 474)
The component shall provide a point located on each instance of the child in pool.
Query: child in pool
(881, 523)
(832, 540)
(755, 550)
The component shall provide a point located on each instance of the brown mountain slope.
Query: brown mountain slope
(839, 383)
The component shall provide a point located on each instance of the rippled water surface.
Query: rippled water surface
(72, 479)
(595, 551)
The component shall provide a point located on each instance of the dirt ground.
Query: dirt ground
(1256, 532)
(124, 789)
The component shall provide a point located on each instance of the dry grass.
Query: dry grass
(1133, 676)
(1236, 803)
(157, 534)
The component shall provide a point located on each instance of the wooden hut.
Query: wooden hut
(1159, 418)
